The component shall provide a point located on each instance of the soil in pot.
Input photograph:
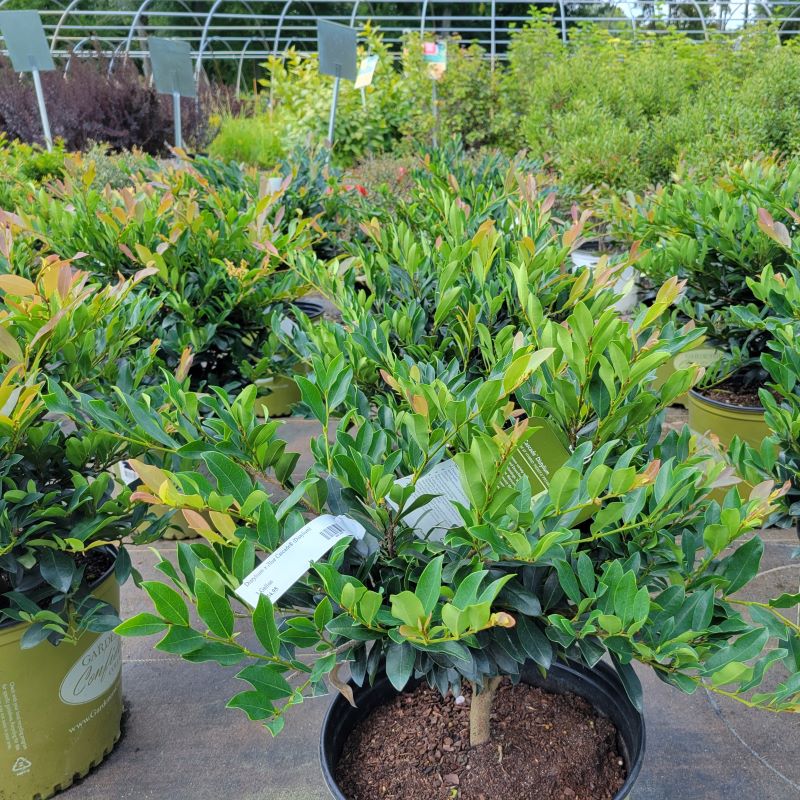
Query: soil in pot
(735, 392)
(544, 747)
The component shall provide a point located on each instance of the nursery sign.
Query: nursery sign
(29, 52)
(282, 569)
(171, 61)
(337, 47)
(25, 41)
(536, 458)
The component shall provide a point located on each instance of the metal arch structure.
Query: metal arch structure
(70, 6)
(77, 50)
(199, 59)
(252, 30)
(204, 35)
(140, 13)
(281, 19)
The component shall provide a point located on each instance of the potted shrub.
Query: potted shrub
(216, 238)
(775, 316)
(454, 541)
(62, 523)
(707, 232)
(278, 362)
(730, 400)
(451, 290)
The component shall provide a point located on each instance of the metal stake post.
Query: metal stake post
(37, 82)
(332, 120)
(176, 113)
(434, 99)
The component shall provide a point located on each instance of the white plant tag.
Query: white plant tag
(439, 515)
(127, 474)
(282, 569)
(288, 326)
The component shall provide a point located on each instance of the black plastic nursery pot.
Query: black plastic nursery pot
(60, 706)
(600, 686)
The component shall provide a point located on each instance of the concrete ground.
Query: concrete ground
(180, 743)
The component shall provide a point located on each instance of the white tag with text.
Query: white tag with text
(439, 515)
(279, 571)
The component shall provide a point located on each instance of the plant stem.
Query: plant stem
(480, 711)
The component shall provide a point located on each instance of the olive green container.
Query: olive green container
(726, 421)
(277, 395)
(60, 707)
(704, 356)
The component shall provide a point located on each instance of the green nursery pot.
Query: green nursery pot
(60, 707)
(726, 421)
(704, 356)
(277, 395)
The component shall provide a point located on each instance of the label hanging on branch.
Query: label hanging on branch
(438, 515)
(282, 569)
(536, 458)
(366, 72)
(128, 476)
(435, 56)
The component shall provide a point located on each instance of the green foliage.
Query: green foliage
(367, 124)
(707, 232)
(59, 501)
(648, 578)
(24, 166)
(773, 319)
(625, 552)
(468, 102)
(251, 140)
(216, 239)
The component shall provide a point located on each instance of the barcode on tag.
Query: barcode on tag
(280, 570)
(335, 531)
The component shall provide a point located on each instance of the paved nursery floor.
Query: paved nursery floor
(180, 743)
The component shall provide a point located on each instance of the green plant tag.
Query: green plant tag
(537, 458)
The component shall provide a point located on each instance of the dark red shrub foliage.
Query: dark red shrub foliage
(88, 106)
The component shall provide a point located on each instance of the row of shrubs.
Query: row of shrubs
(601, 109)
(132, 317)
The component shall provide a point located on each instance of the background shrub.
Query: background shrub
(252, 140)
(90, 106)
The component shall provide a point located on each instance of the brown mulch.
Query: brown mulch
(544, 747)
(734, 392)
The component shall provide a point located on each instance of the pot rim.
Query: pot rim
(727, 406)
(8, 624)
(310, 306)
(602, 672)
